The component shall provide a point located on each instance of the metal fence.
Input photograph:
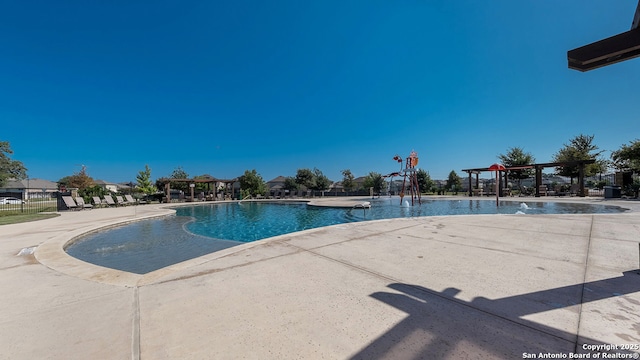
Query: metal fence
(33, 203)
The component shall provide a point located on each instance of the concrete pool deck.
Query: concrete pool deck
(457, 287)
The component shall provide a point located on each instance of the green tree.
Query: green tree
(144, 183)
(252, 183)
(580, 147)
(424, 180)
(9, 168)
(320, 181)
(374, 180)
(348, 182)
(95, 190)
(627, 158)
(63, 182)
(290, 184)
(305, 177)
(179, 173)
(454, 183)
(517, 157)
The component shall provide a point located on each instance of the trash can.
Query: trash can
(611, 192)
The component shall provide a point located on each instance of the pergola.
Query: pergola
(614, 49)
(538, 167)
(210, 182)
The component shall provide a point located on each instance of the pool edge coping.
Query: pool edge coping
(51, 252)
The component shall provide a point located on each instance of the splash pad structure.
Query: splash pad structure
(409, 172)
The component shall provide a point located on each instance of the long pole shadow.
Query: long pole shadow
(439, 325)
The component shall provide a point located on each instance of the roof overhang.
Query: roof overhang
(608, 51)
(605, 52)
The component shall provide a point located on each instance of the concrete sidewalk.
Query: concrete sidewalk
(456, 287)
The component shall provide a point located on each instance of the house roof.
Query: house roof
(278, 179)
(31, 184)
(102, 182)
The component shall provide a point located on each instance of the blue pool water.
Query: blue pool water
(202, 229)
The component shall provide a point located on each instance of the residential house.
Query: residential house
(113, 187)
(29, 189)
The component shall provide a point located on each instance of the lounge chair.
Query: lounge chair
(82, 204)
(97, 202)
(70, 203)
(109, 200)
(130, 199)
(120, 201)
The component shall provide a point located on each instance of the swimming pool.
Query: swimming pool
(198, 230)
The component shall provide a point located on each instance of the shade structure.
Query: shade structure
(497, 168)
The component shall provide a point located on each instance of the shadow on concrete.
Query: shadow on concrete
(439, 325)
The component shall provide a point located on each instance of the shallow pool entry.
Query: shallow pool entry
(198, 230)
(145, 246)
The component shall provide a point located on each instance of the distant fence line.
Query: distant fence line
(32, 203)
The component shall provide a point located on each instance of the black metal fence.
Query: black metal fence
(33, 203)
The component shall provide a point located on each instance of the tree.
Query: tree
(290, 184)
(179, 173)
(517, 157)
(80, 180)
(580, 147)
(627, 158)
(252, 183)
(95, 190)
(9, 168)
(320, 181)
(144, 181)
(424, 180)
(375, 181)
(453, 182)
(304, 177)
(347, 181)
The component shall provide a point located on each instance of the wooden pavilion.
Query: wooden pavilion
(210, 182)
(538, 168)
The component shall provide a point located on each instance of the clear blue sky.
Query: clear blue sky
(219, 87)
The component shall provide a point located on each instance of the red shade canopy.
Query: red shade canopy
(496, 167)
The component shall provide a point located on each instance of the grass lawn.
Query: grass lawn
(14, 219)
